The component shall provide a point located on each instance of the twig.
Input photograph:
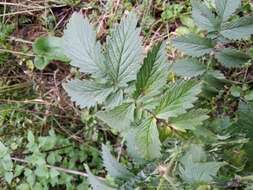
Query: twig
(17, 5)
(37, 101)
(4, 12)
(65, 170)
(12, 38)
(121, 148)
(21, 12)
(16, 52)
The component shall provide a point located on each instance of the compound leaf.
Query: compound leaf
(203, 16)
(153, 73)
(188, 68)
(143, 140)
(87, 93)
(178, 98)
(232, 58)
(193, 45)
(81, 46)
(227, 8)
(114, 168)
(124, 51)
(241, 28)
(119, 117)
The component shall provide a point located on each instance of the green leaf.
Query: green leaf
(47, 49)
(23, 186)
(114, 168)
(232, 58)
(143, 140)
(188, 68)
(203, 16)
(96, 183)
(30, 137)
(81, 47)
(200, 172)
(153, 73)
(195, 167)
(8, 176)
(3, 150)
(245, 118)
(50, 47)
(244, 125)
(195, 153)
(249, 95)
(251, 52)
(87, 93)
(241, 28)
(124, 51)
(189, 120)
(114, 99)
(226, 8)
(193, 45)
(118, 118)
(41, 62)
(178, 98)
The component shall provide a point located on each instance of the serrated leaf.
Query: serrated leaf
(200, 172)
(188, 68)
(189, 120)
(195, 167)
(227, 8)
(178, 98)
(193, 45)
(245, 118)
(114, 168)
(80, 45)
(143, 140)
(232, 58)
(114, 99)
(124, 51)
(87, 93)
(3, 150)
(241, 28)
(195, 153)
(203, 16)
(153, 73)
(96, 183)
(8, 176)
(118, 118)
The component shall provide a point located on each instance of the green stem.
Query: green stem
(169, 180)
(246, 178)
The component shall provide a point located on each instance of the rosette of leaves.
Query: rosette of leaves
(222, 28)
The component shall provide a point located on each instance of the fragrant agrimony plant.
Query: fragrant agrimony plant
(130, 89)
(222, 28)
(135, 97)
